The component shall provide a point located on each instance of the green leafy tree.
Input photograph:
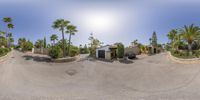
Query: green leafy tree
(28, 45)
(55, 52)
(21, 42)
(94, 43)
(24, 44)
(60, 24)
(120, 50)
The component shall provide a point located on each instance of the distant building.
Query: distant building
(107, 52)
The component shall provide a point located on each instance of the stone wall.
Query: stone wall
(43, 51)
(134, 50)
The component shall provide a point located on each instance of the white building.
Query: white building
(106, 52)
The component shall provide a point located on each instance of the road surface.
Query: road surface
(152, 78)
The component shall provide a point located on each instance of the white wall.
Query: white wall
(106, 48)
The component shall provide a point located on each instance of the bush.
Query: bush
(27, 46)
(74, 51)
(55, 52)
(120, 50)
(4, 51)
(184, 54)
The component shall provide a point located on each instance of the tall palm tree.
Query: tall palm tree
(190, 34)
(9, 36)
(39, 44)
(71, 30)
(53, 38)
(9, 24)
(60, 24)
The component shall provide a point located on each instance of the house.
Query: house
(154, 49)
(107, 52)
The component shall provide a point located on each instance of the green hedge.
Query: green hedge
(185, 54)
(55, 52)
(120, 50)
(4, 51)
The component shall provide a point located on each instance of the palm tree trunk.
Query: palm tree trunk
(69, 44)
(190, 48)
(63, 41)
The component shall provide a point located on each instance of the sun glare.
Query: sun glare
(100, 22)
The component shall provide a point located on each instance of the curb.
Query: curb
(64, 60)
(3, 58)
(183, 61)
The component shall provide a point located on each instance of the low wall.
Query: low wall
(43, 51)
(134, 50)
(181, 60)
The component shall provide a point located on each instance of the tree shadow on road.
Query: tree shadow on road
(37, 58)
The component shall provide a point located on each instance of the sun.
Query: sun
(100, 21)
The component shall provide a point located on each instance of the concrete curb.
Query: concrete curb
(184, 61)
(64, 60)
(2, 59)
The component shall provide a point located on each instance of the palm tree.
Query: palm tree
(134, 43)
(71, 30)
(21, 42)
(11, 41)
(8, 21)
(39, 44)
(190, 34)
(172, 34)
(9, 35)
(60, 24)
(2, 38)
(176, 42)
(10, 26)
(53, 38)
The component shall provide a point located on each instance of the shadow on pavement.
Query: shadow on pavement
(37, 58)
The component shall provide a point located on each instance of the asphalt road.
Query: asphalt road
(151, 78)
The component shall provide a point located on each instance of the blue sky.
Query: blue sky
(110, 20)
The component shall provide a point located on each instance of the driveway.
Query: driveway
(150, 78)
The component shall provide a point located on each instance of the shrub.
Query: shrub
(184, 54)
(28, 46)
(4, 51)
(55, 52)
(120, 50)
(74, 51)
